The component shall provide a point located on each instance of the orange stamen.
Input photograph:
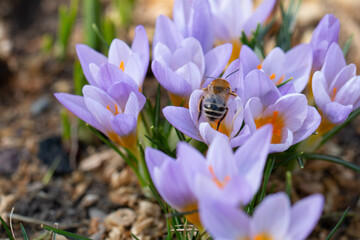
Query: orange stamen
(280, 80)
(277, 123)
(122, 66)
(273, 76)
(116, 109)
(262, 237)
(216, 180)
(334, 94)
(259, 66)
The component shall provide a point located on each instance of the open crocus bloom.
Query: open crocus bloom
(292, 119)
(280, 67)
(273, 219)
(114, 112)
(180, 65)
(326, 33)
(132, 61)
(202, 129)
(182, 181)
(336, 87)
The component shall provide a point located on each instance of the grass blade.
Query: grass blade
(64, 233)
(23, 232)
(331, 159)
(7, 230)
(338, 223)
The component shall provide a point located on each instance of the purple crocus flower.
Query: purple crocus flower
(223, 175)
(183, 67)
(202, 129)
(292, 119)
(132, 61)
(113, 112)
(336, 88)
(274, 218)
(326, 33)
(279, 66)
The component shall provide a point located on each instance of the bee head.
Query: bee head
(220, 86)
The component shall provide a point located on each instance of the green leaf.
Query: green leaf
(64, 233)
(100, 36)
(132, 235)
(338, 223)
(288, 183)
(7, 230)
(91, 15)
(347, 45)
(331, 159)
(23, 232)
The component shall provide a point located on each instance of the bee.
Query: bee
(213, 103)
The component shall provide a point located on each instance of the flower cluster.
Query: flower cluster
(226, 96)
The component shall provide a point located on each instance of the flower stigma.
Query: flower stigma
(116, 112)
(220, 184)
(334, 94)
(277, 123)
(122, 67)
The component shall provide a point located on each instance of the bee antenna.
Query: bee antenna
(232, 73)
(210, 77)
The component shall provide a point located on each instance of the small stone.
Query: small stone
(89, 200)
(140, 226)
(123, 217)
(149, 209)
(40, 105)
(97, 213)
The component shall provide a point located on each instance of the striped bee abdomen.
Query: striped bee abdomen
(214, 107)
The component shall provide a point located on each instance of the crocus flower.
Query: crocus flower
(114, 112)
(202, 129)
(231, 17)
(223, 175)
(183, 67)
(326, 33)
(273, 219)
(132, 61)
(336, 88)
(279, 66)
(292, 119)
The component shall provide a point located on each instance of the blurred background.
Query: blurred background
(53, 169)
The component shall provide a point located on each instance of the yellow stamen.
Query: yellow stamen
(277, 123)
(262, 236)
(122, 66)
(259, 66)
(273, 76)
(334, 94)
(280, 80)
(116, 109)
(216, 180)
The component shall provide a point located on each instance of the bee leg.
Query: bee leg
(222, 118)
(200, 107)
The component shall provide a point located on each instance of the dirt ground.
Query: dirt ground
(100, 198)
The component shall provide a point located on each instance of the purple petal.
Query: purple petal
(248, 59)
(207, 133)
(200, 24)
(169, 80)
(119, 51)
(216, 60)
(311, 123)
(343, 76)
(336, 112)
(132, 105)
(253, 109)
(135, 68)
(140, 46)
(304, 216)
(191, 73)
(272, 216)
(108, 74)
(349, 93)
(86, 56)
(286, 141)
(251, 157)
(319, 87)
(334, 62)
(298, 65)
(123, 124)
(166, 33)
(120, 92)
(235, 116)
(100, 113)
(194, 107)
(275, 63)
(234, 74)
(259, 16)
(181, 15)
(77, 106)
(162, 54)
(180, 118)
(155, 158)
(223, 221)
(241, 138)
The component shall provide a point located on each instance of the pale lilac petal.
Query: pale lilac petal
(120, 92)
(326, 32)
(223, 221)
(132, 105)
(169, 175)
(181, 15)
(77, 106)
(304, 216)
(334, 62)
(286, 141)
(298, 65)
(311, 123)
(123, 124)
(275, 63)
(167, 33)
(222, 161)
(241, 138)
(100, 113)
(343, 76)
(272, 216)
(134, 68)
(251, 157)
(234, 74)
(169, 80)
(248, 59)
(194, 107)
(119, 51)
(191, 73)
(216, 60)
(235, 116)
(99, 96)
(109, 74)
(86, 56)
(162, 54)
(155, 158)
(258, 84)
(336, 112)
(349, 93)
(207, 133)
(292, 109)
(200, 24)
(319, 87)
(287, 88)
(94, 70)
(253, 109)
(140, 46)
(180, 118)
(259, 16)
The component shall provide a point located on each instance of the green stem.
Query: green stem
(331, 159)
